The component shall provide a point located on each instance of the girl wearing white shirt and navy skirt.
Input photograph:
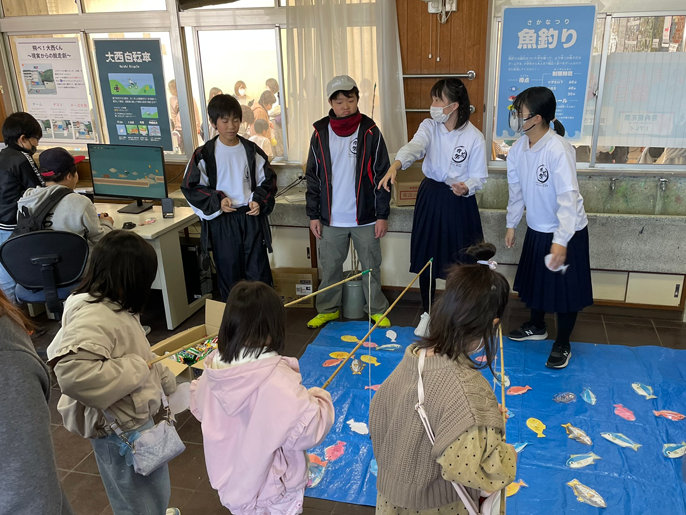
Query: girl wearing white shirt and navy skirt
(541, 172)
(446, 218)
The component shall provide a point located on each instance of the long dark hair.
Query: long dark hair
(454, 90)
(474, 296)
(540, 101)
(254, 319)
(122, 269)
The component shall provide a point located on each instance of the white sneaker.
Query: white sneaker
(423, 326)
(173, 511)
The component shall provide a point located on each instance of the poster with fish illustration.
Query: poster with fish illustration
(629, 466)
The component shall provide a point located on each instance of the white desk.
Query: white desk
(163, 235)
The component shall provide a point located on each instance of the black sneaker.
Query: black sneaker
(559, 356)
(528, 331)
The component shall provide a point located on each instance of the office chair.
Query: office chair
(45, 265)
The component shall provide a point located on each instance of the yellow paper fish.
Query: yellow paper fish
(513, 488)
(339, 355)
(536, 426)
(370, 359)
(349, 338)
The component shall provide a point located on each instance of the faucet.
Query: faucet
(663, 184)
(613, 183)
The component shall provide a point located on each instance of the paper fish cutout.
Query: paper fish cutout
(514, 487)
(374, 387)
(625, 413)
(374, 467)
(621, 440)
(333, 452)
(577, 434)
(587, 495)
(339, 355)
(370, 359)
(510, 413)
(370, 345)
(519, 446)
(562, 268)
(671, 415)
(356, 366)
(391, 335)
(536, 426)
(507, 379)
(589, 396)
(331, 362)
(389, 347)
(518, 390)
(644, 390)
(577, 461)
(674, 450)
(565, 397)
(481, 359)
(349, 338)
(316, 470)
(358, 427)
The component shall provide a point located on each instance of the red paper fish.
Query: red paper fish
(373, 387)
(518, 390)
(625, 413)
(331, 362)
(370, 345)
(334, 452)
(480, 359)
(671, 415)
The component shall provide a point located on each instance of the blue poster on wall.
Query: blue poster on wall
(133, 91)
(551, 47)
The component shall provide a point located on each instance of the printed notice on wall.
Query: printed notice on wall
(551, 47)
(55, 90)
(133, 91)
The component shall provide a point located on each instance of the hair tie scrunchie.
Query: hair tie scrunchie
(490, 264)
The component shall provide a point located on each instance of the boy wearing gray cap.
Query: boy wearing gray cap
(346, 161)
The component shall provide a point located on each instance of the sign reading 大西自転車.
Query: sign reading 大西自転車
(551, 47)
(133, 91)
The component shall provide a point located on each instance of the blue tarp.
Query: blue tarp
(631, 482)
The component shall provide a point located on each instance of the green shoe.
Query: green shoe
(384, 323)
(322, 318)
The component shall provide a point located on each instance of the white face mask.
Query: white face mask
(438, 115)
(241, 92)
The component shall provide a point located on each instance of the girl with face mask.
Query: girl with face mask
(446, 217)
(541, 172)
(241, 93)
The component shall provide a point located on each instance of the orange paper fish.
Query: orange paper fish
(518, 390)
(671, 415)
(331, 362)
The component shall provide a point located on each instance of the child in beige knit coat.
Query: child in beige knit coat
(414, 476)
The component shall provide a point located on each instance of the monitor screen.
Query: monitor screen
(128, 171)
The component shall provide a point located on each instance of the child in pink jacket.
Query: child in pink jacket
(257, 418)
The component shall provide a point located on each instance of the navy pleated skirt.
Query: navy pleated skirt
(444, 226)
(554, 292)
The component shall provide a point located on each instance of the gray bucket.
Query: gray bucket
(353, 298)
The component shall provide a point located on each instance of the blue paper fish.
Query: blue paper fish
(315, 471)
(510, 413)
(565, 397)
(507, 379)
(577, 461)
(519, 446)
(589, 396)
(674, 450)
(621, 440)
(644, 390)
(374, 467)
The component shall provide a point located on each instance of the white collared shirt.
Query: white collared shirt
(543, 179)
(449, 156)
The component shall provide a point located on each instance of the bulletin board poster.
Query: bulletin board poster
(551, 47)
(54, 89)
(133, 91)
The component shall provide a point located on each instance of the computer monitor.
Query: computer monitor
(128, 171)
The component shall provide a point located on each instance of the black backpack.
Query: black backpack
(36, 222)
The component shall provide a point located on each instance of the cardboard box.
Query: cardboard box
(407, 185)
(214, 311)
(294, 283)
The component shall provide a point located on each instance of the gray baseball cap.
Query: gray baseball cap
(339, 83)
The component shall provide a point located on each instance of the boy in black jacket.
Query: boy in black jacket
(231, 187)
(347, 159)
(18, 172)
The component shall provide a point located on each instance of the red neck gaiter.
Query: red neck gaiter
(345, 126)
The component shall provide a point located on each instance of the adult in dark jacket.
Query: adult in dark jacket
(347, 159)
(28, 474)
(18, 172)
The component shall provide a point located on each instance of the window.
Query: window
(106, 6)
(242, 4)
(38, 7)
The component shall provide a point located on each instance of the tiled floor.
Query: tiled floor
(191, 491)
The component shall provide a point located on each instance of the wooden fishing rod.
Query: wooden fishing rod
(502, 378)
(365, 272)
(360, 342)
(185, 347)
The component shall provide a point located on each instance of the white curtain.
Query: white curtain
(325, 38)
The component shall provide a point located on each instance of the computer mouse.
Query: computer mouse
(129, 225)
